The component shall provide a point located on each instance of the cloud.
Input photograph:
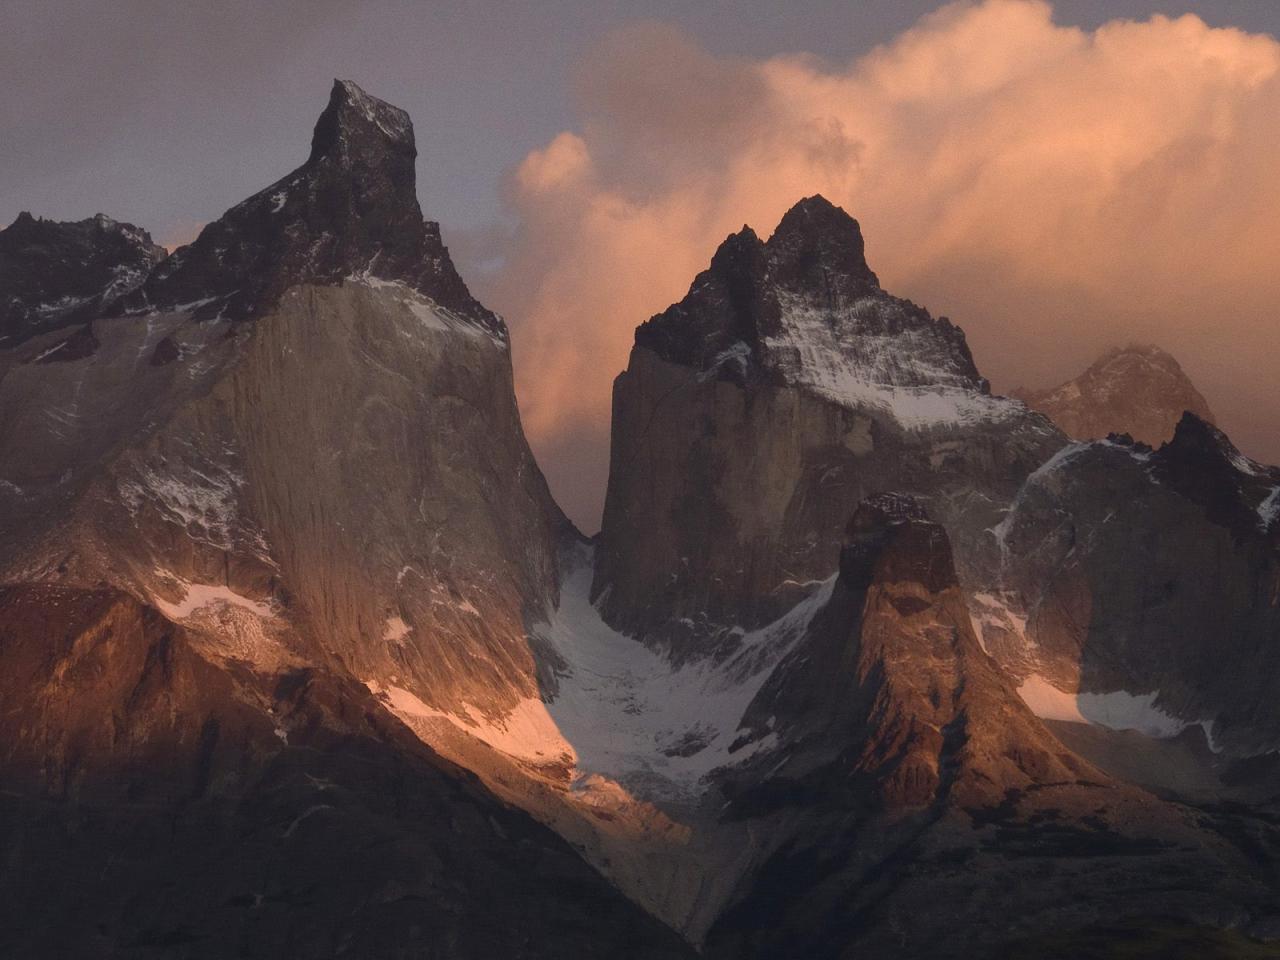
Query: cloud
(1053, 190)
(180, 234)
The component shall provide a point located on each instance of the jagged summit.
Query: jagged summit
(1138, 389)
(54, 274)
(757, 412)
(350, 210)
(922, 553)
(804, 308)
(354, 117)
(1204, 466)
(818, 243)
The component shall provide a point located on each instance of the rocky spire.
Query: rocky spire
(890, 686)
(353, 120)
(351, 209)
(817, 245)
(743, 316)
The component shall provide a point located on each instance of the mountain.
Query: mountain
(1138, 390)
(287, 482)
(161, 802)
(55, 274)
(755, 414)
(916, 808)
(1144, 584)
(302, 659)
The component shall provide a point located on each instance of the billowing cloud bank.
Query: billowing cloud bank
(1053, 190)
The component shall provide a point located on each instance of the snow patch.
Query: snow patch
(1115, 710)
(1269, 509)
(1250, 468)
(395, 630)
(738, 354)
(633, 717)
(989, 613)
(907, 374)
(199, 596)
(526, 732)
(426, 311)
(199, 501)
(1048, 702)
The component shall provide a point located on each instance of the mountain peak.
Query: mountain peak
(354, 117)
(55, 274)
(1203, 465)
(817, 242)
(350, 210)
(1138, 389)
(891, 538)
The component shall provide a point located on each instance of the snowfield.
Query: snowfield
(908, 374)
(621, 711)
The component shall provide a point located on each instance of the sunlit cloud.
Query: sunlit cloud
(180, 234)
(1053, 190)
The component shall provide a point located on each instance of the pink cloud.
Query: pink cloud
(1053, 190)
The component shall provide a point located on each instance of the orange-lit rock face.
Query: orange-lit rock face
(1138, 390)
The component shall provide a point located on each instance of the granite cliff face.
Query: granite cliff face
(757, 413)
(284, 487)
(1138, 390)
(309, 413)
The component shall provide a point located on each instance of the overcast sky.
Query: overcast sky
(167, 112)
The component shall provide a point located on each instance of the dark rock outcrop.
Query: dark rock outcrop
(1157, 574)
(351, 209)
(53, 274)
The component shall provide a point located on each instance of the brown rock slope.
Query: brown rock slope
(157, 803)
(1139, 390)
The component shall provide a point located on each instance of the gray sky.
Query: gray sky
(167, 112)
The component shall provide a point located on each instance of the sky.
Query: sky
(1056, 179)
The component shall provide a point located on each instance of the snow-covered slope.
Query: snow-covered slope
(612, 707)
